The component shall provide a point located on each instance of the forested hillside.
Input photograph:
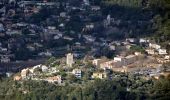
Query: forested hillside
(160, 9)
(156, 13)
(115, 89)
(130, 19)
(126, 3)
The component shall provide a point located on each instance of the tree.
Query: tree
(137, 49)
(72, 78)
(50, 61)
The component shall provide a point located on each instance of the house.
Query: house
(89, 38)
(13, 32)
(108, 20)
(9, 74)
(77, 44)
(119, 69)
(157, 76)
(77, 73)
(86, 2)
(112, 47)
(68, 38)
(63, 14)
(30, 47)
(99, 75)
(3, 50)
(128, 46)
(97, 62)
(21, 24)
(3, 10)
(131, 40)
(17, 78)
(119, 62)
(56, 37)
(117, 43)
(33, 68)
(111, 64)
(162, 52)
(107, 65)
(51, 27)
(54, 79)
(130, 59)
(143, 40)
(167, 57)
(95, 8)
(1, 27)
(47, 53)
(89, 26)
(119, 58)
(24, 73)
(161, 60)
(61, 25)
(154, 46)
(150, 51)
(44, 68)
(5, 59)
(138, 53)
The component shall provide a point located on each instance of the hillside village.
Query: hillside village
(32, 37)
(150, 63)
(84, 49)
(78, 39)
(27, 32)
(25, 39)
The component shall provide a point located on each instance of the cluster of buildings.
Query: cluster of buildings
(151, 49)
(44, 28)
(153, 56)
(31, 29)
(35, 73)
(118, 63)
(125, 64)
(22, 34)
(155, 49)
(162, 54)
(47, 73)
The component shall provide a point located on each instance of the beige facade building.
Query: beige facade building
(24, 73)
(17, 78)
(97, 62)
(69, 59)
(54, 79)
(99, 75)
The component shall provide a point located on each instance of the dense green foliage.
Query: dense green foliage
(128, 3)
(115, 89)
(137, 49)
(160, 12)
